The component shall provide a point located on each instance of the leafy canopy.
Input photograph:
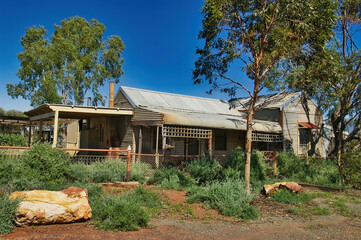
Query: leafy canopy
(75, 60)
(258, 36)
(333, 77)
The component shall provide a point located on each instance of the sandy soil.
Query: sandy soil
(192, 221)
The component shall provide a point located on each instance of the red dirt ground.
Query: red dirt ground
(192, 221)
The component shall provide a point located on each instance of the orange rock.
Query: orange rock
(47, 207)
(271, 189)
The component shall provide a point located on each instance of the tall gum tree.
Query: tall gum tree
(333, 78)
(257, 36)
(74, 61)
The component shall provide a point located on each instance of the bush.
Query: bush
(230, 198)
(351, 164)
(7, 214)
(204, 169)
(12, 140)
(170, 177)
(116, 213)
(289, 165)
(318, 171)
(109, 171)
(45, 164)
(323, 172)
(259, 168)
(41, 167)
(127, 212)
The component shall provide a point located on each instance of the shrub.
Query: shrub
(231, 173)
(7, 214)
(318, 171)
(230, 198)
(289, 197)
(7, 169)
(139, 171)
(323, 172)
(109, 171)
(127, 212)
(351, 164)
(204, 169)
(170, 177)
(259, 168)
(80, 172)
(116, 213)
(46, 164)
(289, 165)
(7, 139)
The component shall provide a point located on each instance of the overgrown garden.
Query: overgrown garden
(205, 180)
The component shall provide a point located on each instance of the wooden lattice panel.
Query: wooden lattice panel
(184, 132)
(265, 137)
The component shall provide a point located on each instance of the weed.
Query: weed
(171, 178)
(7, 214)
(320, 211)
(289, 197)
(340, 204)
(127, 212)
(294, 211)
(204, 169)
(229, 197)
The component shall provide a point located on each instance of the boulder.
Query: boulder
(291, 186)
(47, 207)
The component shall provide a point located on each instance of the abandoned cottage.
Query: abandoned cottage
(150, 122)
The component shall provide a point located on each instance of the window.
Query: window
(304, 139)
(221, 140)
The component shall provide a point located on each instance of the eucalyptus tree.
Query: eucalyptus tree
(257, 37)
(333, 77)
(74, 61)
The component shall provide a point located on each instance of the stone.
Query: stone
(291, 186)
(48, 207)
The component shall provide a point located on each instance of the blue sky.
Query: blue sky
(160, 38)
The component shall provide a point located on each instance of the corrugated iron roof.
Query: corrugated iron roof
(279, 101)
(194, 111)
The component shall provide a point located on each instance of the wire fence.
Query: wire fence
(104, 165)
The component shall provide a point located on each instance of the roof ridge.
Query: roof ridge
(174, 94)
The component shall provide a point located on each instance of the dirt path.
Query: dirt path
(329, 227)
(191, 221)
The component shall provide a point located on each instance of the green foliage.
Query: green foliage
(236, 161)
(109, 171)
(170, 177)
(46, 164)
(318, 171)
(7, 139)
(41, 167)
(127, 212)
(204, 169)
(116, 213)
(286, 196)
(351, 167)
(289, 164)
(7, 214)
(320, 211)
(73, 61)
(229, 197)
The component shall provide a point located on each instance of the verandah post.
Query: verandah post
(128, 165)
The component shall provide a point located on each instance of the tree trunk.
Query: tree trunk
(248, 147)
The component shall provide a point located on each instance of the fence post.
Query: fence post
(128, 165)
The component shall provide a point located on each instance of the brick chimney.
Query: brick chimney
(111, 94)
